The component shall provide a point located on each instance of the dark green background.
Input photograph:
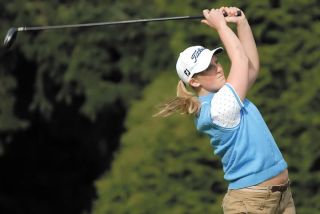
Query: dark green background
(76, 128)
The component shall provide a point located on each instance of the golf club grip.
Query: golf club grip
(225, 14)
(202, 17)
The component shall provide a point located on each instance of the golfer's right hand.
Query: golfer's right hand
(214, 18)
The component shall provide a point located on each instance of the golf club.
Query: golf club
(12, 32)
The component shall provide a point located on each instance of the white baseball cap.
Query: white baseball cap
(194, 59)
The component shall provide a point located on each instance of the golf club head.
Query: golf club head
(10, 37)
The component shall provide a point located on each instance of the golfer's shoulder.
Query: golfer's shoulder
(226, 107)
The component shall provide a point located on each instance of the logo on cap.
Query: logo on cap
(187, 72)
(196, 54)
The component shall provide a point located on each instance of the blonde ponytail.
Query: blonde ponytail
(185, 103)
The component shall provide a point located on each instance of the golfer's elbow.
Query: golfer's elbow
(254, 68)
(253, 72)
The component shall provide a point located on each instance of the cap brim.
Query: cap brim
(217, 50)
(206, 59)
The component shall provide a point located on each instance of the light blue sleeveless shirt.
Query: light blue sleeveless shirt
(248, 151)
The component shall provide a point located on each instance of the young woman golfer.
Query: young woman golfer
(252, 162)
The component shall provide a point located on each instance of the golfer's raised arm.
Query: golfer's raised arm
(239, 74)
(247, 40)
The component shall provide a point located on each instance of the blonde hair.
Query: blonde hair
(185, 103)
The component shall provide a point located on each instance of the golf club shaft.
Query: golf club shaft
(108, 23)
(12, 32)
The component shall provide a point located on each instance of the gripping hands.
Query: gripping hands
(217, 18)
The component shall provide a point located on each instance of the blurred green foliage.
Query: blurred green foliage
(68, 95)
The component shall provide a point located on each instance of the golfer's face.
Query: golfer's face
(212, 79)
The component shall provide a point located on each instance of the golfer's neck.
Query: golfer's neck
(202, 92)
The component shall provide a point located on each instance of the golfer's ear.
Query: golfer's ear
(194, 83)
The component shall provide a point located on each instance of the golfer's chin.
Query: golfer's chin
(218, 86)
(222, 82)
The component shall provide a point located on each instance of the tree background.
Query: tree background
(76, 128)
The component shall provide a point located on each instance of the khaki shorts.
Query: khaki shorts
(257, 199)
